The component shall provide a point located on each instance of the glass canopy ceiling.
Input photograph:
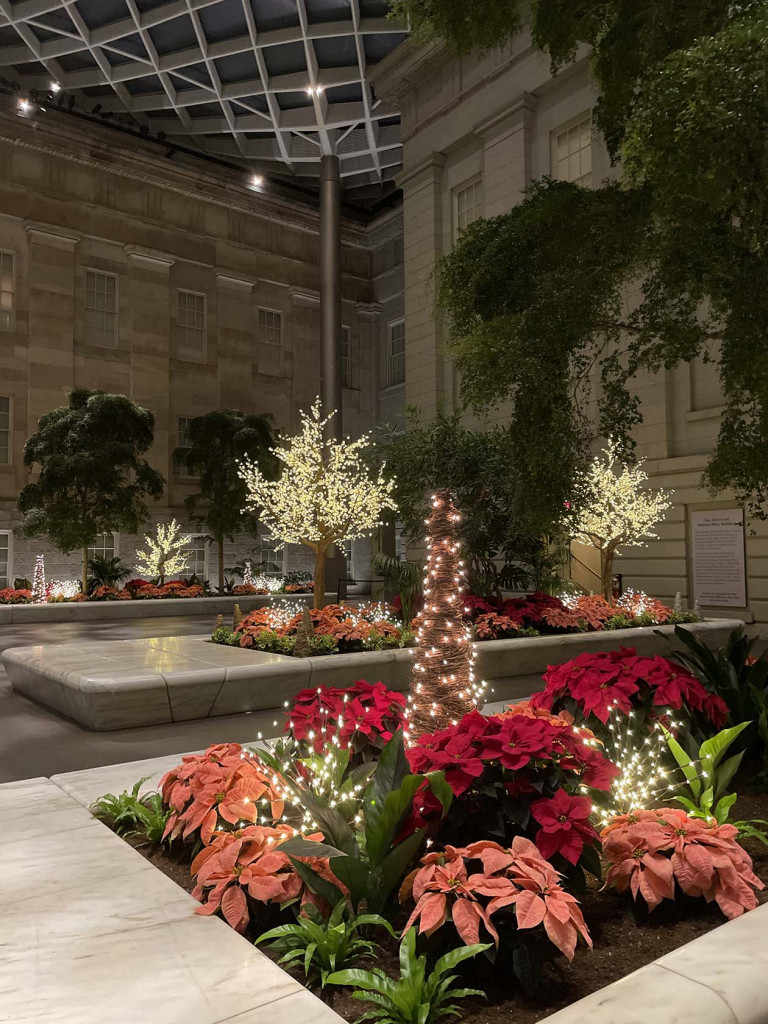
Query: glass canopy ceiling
(269, 84)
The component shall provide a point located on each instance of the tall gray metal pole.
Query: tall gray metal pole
(330, 291)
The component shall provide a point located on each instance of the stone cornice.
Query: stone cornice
(150, 259)
(304, 297)
(406, 66)
(427, 170)
(53, 237)
(235, 283)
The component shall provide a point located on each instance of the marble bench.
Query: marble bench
(717, 979)
(117, 684)
(92, 932)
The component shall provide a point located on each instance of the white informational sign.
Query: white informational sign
(719, 568)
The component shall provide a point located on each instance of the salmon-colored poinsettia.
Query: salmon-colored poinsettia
(225, 786)
(249, 861)
(518, 877)
(651, 850)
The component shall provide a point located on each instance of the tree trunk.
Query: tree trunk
(84, 581)
(220, 546)
(608, 554)
(319, 578)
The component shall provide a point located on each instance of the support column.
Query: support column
(330, 291)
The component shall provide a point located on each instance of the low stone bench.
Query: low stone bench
(118, 684)
(93, 932)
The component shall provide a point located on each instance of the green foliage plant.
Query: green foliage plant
(92, 477)
(324, 945)
(364, 853)
(404, 578)
(218, 442)
(134, 816)
(415, 997)
(708, 776)
(106, 572)
(534, 311)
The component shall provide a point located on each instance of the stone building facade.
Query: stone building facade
(180, 284)
(475, 132)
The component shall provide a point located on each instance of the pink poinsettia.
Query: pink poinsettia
(517, 880)
(651, 850)
(565, 826)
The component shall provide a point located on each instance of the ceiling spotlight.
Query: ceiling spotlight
(314, 90)
(24, 106)
(55, 87)
(257, 180)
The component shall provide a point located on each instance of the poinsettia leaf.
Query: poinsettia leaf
(590, 861)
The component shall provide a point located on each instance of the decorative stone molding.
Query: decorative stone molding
(406, 66)
(421, 174)
(506, 122)
(304, 297)
(370, 311)
(150, 259)
(43, 234)
(235, 283)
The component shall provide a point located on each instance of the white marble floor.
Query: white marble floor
(93, 933)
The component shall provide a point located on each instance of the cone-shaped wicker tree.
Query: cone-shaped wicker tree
(443, 687)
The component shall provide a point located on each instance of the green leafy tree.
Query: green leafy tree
(92, 477)
(504, 519)
(219, 441)
(536, 299)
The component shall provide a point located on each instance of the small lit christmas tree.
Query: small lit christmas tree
(443, 687)
(38, 581)
(621, 510)
(167, 552)
(247, 573)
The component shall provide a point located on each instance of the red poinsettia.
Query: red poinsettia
(600, 683)
(565, 826)
(363, 716)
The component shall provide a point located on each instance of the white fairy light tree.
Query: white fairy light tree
(325, 493)
(166, 554)
(619, 512)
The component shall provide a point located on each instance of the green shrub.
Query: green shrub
(132, 815)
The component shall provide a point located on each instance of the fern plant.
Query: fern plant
(322, 947)
(415, 997)
(404, 578)
(132, 815)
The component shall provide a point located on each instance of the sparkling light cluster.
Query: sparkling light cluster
(166, 553)
(63, 588)
(325, 493)
(443, 686)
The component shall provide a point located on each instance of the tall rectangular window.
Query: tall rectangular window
(7, 291)
(104, 546)
(268, 553)
(183, 431)
(5, 431)
(467, 205)
(197, 558)
(5, 560)
(270, 324)
(344, 365)
(396, 353)
(191, 320)
(100, 309)
(572, 151)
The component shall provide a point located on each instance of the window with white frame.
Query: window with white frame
(100, 309)
(396, 353)
(270, 323)
(344, 364)
(5, 431)
(183, 431)
(104, 546)
(5, 559)
(467, 205)
(190, 317)
(197, 557)
(572, 151)
(267, 550)
(7, 290)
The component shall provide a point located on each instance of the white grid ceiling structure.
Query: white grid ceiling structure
(270, 84)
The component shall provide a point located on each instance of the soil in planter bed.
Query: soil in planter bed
(622, 944)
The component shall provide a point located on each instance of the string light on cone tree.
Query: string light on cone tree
(443, 686)
(38, 581)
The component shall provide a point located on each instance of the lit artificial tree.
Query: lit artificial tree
(166, 552)
(38, 581)
(619, 511)
(324, 495)
(443, 686)
(247, 573)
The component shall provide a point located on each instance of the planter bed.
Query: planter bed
(683, 969)
(99, 611)
(118, 684)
